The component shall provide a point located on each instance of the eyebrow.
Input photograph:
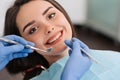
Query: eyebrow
(47, 10)
(32, 22)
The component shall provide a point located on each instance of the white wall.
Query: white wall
(76, 9)
(3, 7)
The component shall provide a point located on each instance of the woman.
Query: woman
(45, 23)
(48, 26)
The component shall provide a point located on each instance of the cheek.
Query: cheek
(69, 33)
(66, 24)
(39, 43)
(36, 39)
(62, 21)
(68, 30)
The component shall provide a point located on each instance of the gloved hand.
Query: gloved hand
(10, 51)
(78, 63)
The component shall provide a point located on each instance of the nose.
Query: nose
(49, 29)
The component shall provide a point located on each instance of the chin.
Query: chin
(63, 51)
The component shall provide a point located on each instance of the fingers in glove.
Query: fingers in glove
(3, 64)
(19, 55)
(19, 39)
(68, 43)
(82, 45)
(12, 49)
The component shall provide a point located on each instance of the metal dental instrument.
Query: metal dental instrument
(28, 46)
(89, 55)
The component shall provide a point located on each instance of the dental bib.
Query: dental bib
(107, 69)
(54, 71)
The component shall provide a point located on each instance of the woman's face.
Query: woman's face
(40, 22)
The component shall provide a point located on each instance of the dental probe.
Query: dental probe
(28, 46)
(91, 57)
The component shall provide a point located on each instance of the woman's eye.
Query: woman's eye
(51, 15)
(33, 29)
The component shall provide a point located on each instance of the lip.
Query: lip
(57, 40)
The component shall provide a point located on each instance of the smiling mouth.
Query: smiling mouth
(55, 38)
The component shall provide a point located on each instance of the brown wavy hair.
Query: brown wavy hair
(21, 64)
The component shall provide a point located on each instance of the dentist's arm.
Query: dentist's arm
(9, 51)
(78, 63)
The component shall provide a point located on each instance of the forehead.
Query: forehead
(35, 5)
(31, 10)
(37, 2)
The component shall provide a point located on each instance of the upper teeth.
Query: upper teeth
(55, 38)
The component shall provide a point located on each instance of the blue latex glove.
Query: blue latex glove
(10, 51)
(78, 63)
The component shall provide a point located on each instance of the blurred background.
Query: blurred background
(97, 23)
